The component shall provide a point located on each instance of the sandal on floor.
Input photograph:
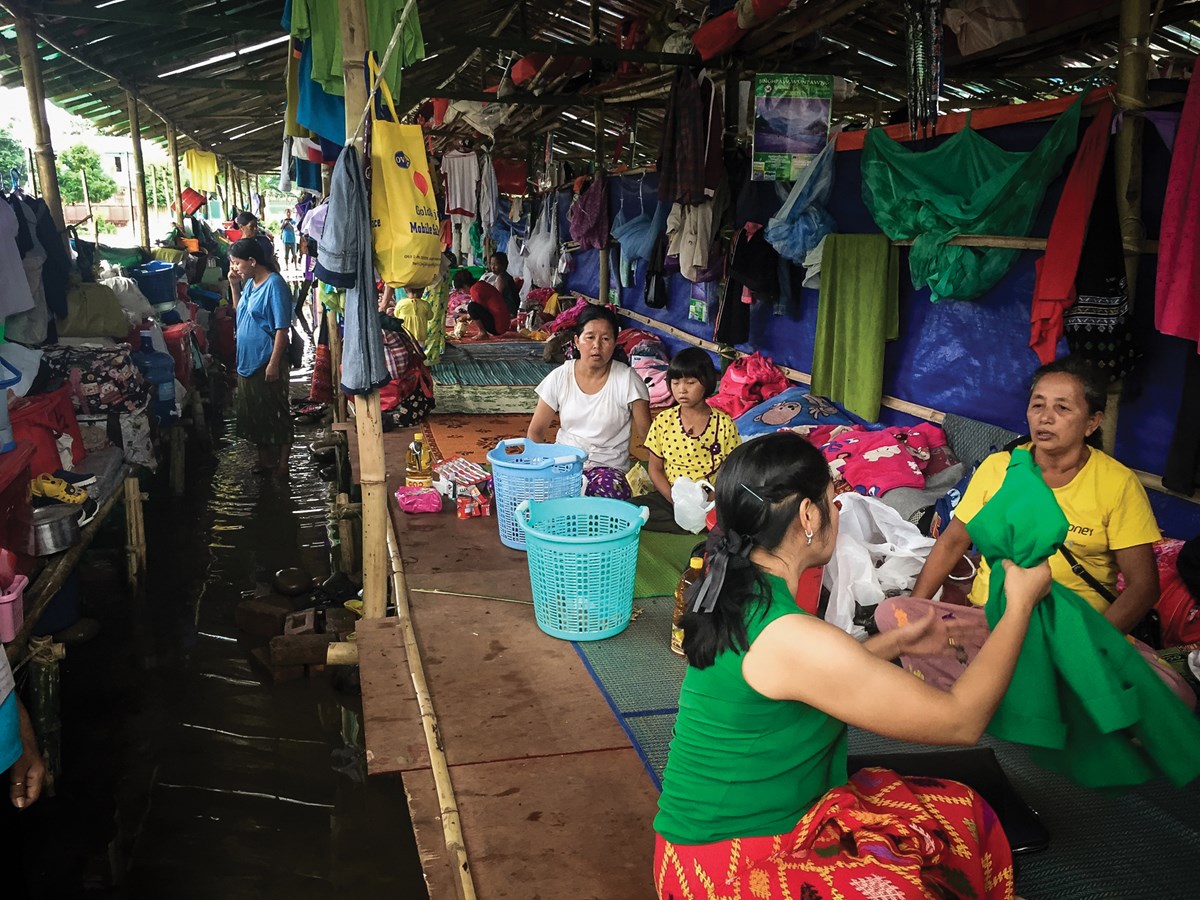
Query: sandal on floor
(46, 485)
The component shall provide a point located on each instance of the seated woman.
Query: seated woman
(755, 795)
(1112, 525)
(486, 313)
(497, 276)
(601, 404)
(688, 440)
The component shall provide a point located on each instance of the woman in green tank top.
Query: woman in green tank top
(755, 793)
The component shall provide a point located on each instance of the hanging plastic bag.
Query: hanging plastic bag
(404, 222)
(542, 260)
(878, 554)
(692, 503)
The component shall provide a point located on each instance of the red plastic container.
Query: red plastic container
(224, 339)
(40, 419)
(179, 345)
(16, 505)
(192, 200)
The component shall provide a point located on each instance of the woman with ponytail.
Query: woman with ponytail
(755, 798)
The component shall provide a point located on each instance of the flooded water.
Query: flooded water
(185, 776)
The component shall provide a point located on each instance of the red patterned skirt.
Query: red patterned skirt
(879, 837)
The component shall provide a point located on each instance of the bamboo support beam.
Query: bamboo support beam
(447, 802)
(1134, 57)
(139, 171)
(176, 181)
(368, 418)
(35, 90)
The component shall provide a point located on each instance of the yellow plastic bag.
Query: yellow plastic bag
(404, 222)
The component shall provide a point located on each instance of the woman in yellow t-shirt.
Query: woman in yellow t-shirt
(1112, 527)
(689, 440)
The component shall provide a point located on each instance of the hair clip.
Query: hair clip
(752, 494)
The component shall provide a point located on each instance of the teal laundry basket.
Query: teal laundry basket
(582, 560)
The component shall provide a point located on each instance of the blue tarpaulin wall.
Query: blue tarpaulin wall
(971, 358)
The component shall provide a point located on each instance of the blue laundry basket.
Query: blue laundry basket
(534, 472)
(582, 560)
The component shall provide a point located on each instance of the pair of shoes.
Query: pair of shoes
(46, 485)
(88, 511)
(75, 479)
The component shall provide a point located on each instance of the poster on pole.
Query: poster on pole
(791, 123)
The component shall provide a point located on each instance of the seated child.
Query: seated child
(689, 440)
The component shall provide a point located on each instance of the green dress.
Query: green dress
(1081, 695)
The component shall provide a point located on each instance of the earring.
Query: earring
(808, 536)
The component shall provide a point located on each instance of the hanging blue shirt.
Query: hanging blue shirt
(263, 310)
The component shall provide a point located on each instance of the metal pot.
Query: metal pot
(55, 528)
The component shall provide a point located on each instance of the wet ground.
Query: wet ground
(185, 776)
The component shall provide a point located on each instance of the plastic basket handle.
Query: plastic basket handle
(519, 514)
(644, 512)
(9, 382)
(540, 464)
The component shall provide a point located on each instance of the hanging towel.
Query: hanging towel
(1054, 288)
(202, 169)
(1082, 696)
(489, 193)
(966, 185)
(858, 312)
(1177, 298)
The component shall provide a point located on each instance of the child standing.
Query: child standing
(689, 440)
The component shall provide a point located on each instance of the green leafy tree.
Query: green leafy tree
(103, 226)
(82, 158)
(12, 154)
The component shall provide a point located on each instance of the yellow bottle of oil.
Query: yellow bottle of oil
(693, 573)
(418, 469)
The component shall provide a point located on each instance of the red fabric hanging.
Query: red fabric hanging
(1177, 297)
(1054, 288)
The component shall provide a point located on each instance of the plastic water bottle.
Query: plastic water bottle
(693, 573)
(418, 470)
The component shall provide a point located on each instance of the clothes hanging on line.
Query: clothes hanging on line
(1054, 287)
(461, 170)
(690, 161)
(202, 169)
(1177, 297)
(858, 313)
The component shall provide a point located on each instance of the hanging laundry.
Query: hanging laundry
(966, 185)
(803, 221)
(202, 169)
(588, 216)
(32, 326)
(489, 194)
(317, 110)
(319, 21)
(859, 311)
(16, 296)
(461, 168)
(291, 78)
(1054, 288)
(690, 163)
(1177, 298)
(1082, 697)
(285, 168)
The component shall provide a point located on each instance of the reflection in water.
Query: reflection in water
(186, 776)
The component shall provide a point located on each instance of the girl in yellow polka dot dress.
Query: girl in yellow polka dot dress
(689, 440)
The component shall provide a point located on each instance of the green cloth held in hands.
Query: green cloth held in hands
(1082, 696)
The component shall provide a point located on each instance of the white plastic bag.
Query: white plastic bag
(877, 551)
(692, 503)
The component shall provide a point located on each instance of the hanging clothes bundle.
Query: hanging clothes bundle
(802, 221)
(588, 216)
(966, 185)
(690, 162)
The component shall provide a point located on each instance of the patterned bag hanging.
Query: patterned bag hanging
(321, 390)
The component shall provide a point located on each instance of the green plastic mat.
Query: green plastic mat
(661, 560)
(491, 371)
(1140, 843)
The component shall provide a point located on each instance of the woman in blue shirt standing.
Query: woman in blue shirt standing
(264, 321)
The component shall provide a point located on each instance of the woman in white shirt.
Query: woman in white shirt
(601, 405)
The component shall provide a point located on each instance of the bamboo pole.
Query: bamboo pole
(447, 803)
(368, 418)
(139, 171)
(598, 122)
(176, 181)
(31, 75)
(87, 202)
(335, 363)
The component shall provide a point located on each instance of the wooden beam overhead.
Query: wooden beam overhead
(142, 15)
(567, 49)
(267, 87)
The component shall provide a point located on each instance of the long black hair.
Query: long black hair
(1092, 382)
(759, 492)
